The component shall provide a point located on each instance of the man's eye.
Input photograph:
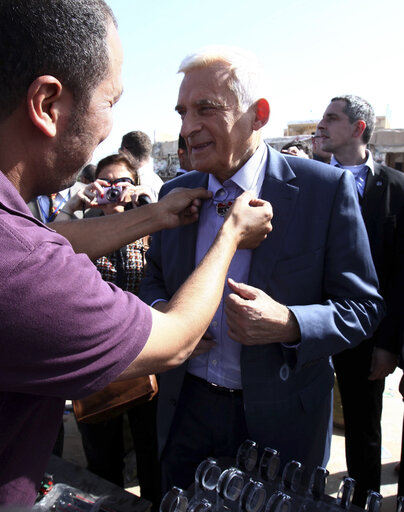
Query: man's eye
(206, 108)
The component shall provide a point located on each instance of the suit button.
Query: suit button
(173, 402)
(284, 372)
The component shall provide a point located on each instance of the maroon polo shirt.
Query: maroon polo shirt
(64, 333)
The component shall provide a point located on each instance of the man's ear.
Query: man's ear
(262, 111)
(359, 128)
(43, 99)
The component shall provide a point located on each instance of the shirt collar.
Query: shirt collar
(248, 177)
(10, 197)
(65, 194)
(13, 202)
(369, 163)
(146, 168)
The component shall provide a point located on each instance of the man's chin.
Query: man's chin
(201, 166)
(326, 146)
(69, 182)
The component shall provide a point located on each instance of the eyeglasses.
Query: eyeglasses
(119, 180)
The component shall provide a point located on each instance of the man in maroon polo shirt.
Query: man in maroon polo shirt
(64, 332)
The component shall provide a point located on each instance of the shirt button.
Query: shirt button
(214, 324)
(214, 362)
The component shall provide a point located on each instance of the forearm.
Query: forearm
(177, 330)
(99, 236)
(333, 326)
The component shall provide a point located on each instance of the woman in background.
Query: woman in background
(103, 442)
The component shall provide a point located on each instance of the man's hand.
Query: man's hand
(250, 219)
(205, 344)
(383, 363)
(181, 206)
(254, 318)
(135, 193)
(294, 151)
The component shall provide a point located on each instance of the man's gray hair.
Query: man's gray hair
(358, 109)
(247, 78)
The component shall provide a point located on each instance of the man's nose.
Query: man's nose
(190, 125)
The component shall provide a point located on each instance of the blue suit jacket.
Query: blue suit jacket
(316, 261)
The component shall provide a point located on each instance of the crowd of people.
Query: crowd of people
(266, 273)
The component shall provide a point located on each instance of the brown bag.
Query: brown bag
(115, 399)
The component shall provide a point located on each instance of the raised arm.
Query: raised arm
(176, 332)
(99, 236)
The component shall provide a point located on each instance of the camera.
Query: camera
(143, 199)
(111, 195)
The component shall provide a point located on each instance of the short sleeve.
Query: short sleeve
(65, 332)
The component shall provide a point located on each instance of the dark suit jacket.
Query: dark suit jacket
(383, 213)
(316, 261)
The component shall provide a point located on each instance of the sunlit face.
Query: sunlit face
(335, 129)
(219, 136)
(110, 173)
(90, 126)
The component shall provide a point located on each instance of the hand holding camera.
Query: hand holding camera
(111, 194)
(119, 192)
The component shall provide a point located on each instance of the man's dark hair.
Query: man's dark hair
(138, 144)
(358, 109)
(122, 158)
(87, 173)
(62, 38)
(300, 144)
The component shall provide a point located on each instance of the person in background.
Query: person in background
(183, 158)
(103, 442)
(46, 208)
(91, 198)
(87, 174)
(139, 145)
(318, 153)
(345, 130)
(299, 148)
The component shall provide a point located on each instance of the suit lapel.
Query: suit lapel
(278, 192)
(283, 197)
(187, 235)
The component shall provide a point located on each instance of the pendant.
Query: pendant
(221, 208)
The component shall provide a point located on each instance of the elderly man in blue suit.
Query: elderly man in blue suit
(263, 369)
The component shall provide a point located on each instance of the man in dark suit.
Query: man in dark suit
(345, 130)
(47, 208)
(263, 369)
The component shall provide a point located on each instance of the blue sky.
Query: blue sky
(312, 50)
